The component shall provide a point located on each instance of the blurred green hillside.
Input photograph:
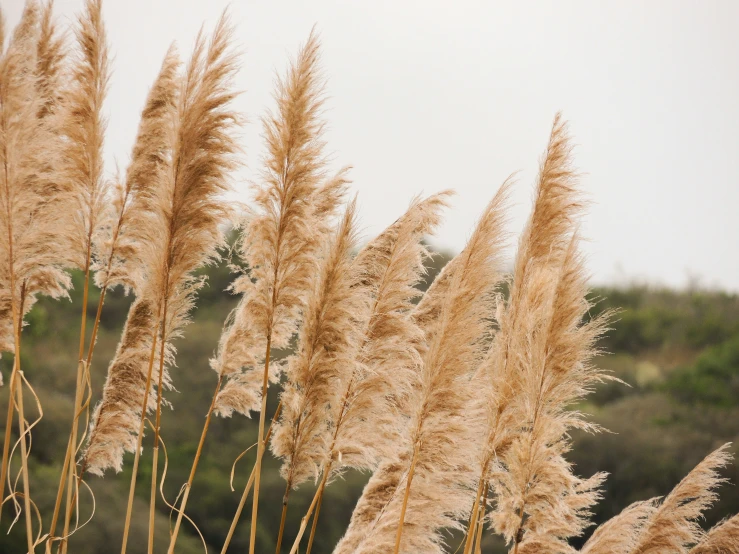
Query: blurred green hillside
(678, 351)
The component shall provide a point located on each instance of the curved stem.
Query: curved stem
(8, 428)
(247, 488)
(18, 324)
(72, 444)
(24, 467)
(194, 467)
(68, 457)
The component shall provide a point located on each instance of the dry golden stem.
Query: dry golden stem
(72, 444)
(137, 453)
(260, 448)
(315, 519)
(8, 427)
(306, 517)
(412, 469)
(194, 467)
(17, 315)
(481, 521)
(473, 518)
(285, 498)
(68, 469)
(60, 492)
(247, 488)
(90, 350)
(155, 459)
(24, 460)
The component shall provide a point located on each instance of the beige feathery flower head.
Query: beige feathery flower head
(290, 223)
(438, 407)
(324, 360)
(32, 196)
(185, 211)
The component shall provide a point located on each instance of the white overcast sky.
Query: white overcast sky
(430, 95)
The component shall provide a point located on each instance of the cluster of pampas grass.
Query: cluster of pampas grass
(459, 402)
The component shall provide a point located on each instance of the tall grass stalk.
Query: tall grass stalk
(139, 438)
(474, 517)
(406, 495)
(315, 518)
(24, 464)
(481, 521)
(69, 461)
(193, 468)
(157, 426)
(247, 487)
(262, 441)
(306, 517)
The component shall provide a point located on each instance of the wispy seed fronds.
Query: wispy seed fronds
(293, 207)
(84, 127)
(723, 538)
(325, 359)
(673, 527)
(31, 198)
(438, 420)
(128, 228)
(115, 420)
(620, 534)
(370, 419)
(186, 220)
(539, 366)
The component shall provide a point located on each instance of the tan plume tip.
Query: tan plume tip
(130, 222)
(85, 128)
(294, 205)
(673, 527)
(620, 534)
(723, 538)
(32, 197)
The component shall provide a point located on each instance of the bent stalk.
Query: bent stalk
(24, 465)
(306, 517)
(194, 467)
(247, 488)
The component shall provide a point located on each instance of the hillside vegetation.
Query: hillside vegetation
(677, 350)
